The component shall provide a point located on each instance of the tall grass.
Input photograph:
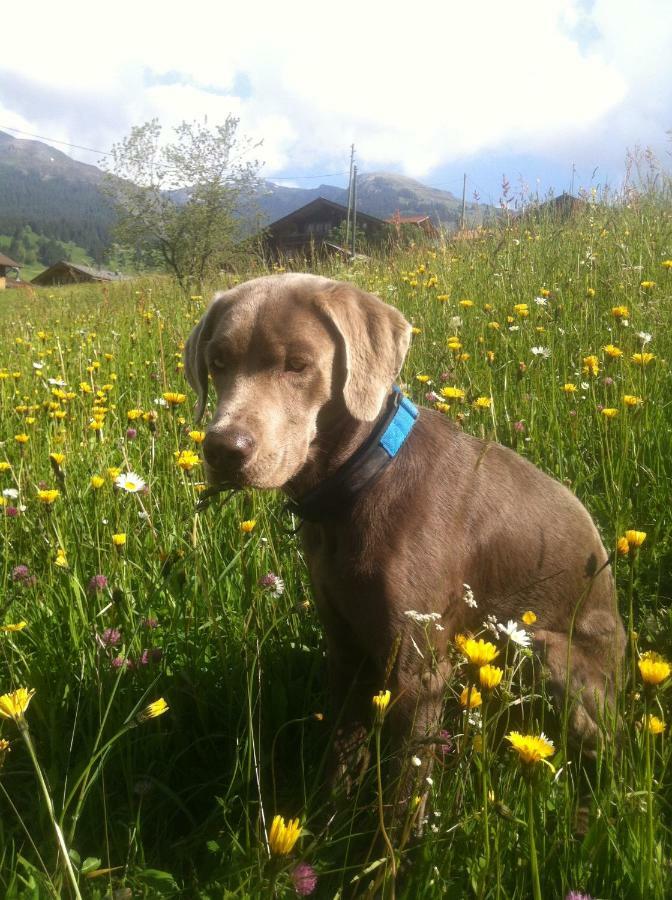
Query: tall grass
(181, 805)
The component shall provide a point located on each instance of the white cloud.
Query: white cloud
(415, 87)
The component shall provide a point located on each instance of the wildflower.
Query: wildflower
(471, 698)
(653, 724)
(110, 637)
(577, 895)
(248, 525)
(447, 746)
(197, 436)
(61, 559)
(20, 573)
(635, 538)
(131, 434)
(57, 459)
(119, 540)
(153, 711)
(667, 264)
(654, 668)
(612, 351)
(133, 414)
(468, 597)
(186, 459)
(620, 312)
(21, 438)
(623, 546)
(282, 837)
(591, 365)
(14, 626)
(304, 879)
(647, 285)
(423, 379)
(478, 652)
(10, 493)
(113, 472)
(490, 676)
(631, 400)
(517, 635)
(174, 399)
(609, 412)
(544, 352)
(48, 496)
(519, 426)
(14, 705)
(129, 482)
(642, 359)
(530, 748)
(273, 584)
(644, 337)
(452, 393)
(96, 482)
(569, 388)
(5, 466)
(380, 701)
(521, 310)
(96, 584)
(482, 403)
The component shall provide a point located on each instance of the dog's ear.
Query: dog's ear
(375, 339)
(195, 363)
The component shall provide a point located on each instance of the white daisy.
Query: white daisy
(541, 351)
(514, 633)
(644, 337)
(10, 493)
(129, 482)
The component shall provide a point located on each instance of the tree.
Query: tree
(177, 202)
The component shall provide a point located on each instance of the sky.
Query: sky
(550, 93)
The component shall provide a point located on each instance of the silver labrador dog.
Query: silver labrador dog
(303, 368)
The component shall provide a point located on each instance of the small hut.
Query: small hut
(6, 263)
(310, 229)
(65, 272)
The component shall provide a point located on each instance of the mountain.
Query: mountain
(378, 194)
(54, 195)
(46, 193)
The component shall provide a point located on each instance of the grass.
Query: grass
(180, 804)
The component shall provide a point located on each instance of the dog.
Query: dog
(303, 369)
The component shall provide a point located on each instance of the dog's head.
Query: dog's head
(279, 350)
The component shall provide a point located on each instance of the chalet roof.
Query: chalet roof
(314, 207)
(407, 220)
(6, 261)
(65, 265)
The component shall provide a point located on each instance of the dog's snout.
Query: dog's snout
(231, 448)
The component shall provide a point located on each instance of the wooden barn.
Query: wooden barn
(411, 224)
(559, 209)
(309, 229)
(65, 272)
(6, 263)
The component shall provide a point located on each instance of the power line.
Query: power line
(51, 140)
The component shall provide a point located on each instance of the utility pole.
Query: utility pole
(347, 221)
(354, 208)
(464, 201)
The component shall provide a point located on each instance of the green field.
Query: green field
(180, 804)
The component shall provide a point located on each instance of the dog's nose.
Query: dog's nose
(230, 448)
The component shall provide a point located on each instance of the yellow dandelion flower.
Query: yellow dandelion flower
(620, 312)
(5, 466)
(113, 472)
(186, 459)
(119, 540)
(623, 546)
(647, 285)
(569, 388)
(590, 292)
(667, 264)
(61, 559)
(521, 310)
(591, 365)
(57, 458)
(248, 525)
(612, 351)
(466, 304)
(21, 438)
(609, 412)
(478, 652)
(635, 538)
(631, 400)
(642, 359)
(529, 618)
(442, 407)
(380, 701)
(654, 668)
(282, 836)
(490, 676)
(494, 325)
(153, 711)
(48, 496)
(423, 379)
(482, 403)
(653, 724)
(470, 698)
(133, 414)
(15, 626)
(173, 399)
(530, 748)
(452, 393)
(14, 705)
(197, 436)
(96, 482)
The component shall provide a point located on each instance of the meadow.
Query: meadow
(175, 655)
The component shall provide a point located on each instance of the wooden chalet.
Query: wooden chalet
(65, 272)
(560, 208)
(422, 223)
(6, 263)
(309, 229)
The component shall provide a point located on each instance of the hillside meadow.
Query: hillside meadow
(175, 655)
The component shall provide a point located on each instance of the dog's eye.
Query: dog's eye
(217, 364)
(295, 365)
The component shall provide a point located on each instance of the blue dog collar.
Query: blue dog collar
(401, 425)
(339, 491)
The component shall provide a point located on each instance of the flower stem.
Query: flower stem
(534, 864)
(381, 811)
(25, 734)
